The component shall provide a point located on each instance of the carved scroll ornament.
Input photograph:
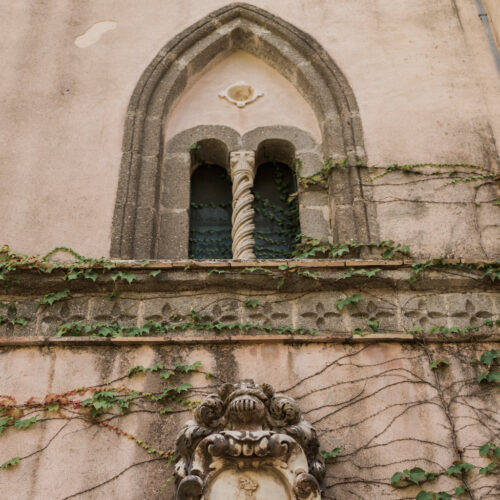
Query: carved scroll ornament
(248, 442)
(242, 175)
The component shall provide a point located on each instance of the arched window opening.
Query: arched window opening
(276, 205)
(210, 201)
(210, 213)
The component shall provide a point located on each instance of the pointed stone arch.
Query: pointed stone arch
(293, 53)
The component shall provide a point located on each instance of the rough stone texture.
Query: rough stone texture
(435, 299)
(173, 234)
(314, 221)
(174, 190)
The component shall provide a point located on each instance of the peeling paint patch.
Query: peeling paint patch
(94, 33)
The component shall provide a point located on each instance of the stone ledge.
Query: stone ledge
(318, 263)
(242, 340)
(327, 276)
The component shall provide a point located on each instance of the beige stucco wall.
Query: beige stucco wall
(281, 103)
(379, 403)
(422, 73)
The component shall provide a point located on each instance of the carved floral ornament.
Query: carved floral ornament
(240, 94)
(248, 443)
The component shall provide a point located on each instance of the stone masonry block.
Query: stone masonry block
(65, 311)
(318, 312)
(173, 235)
(174, 189)
(424, 311)
(25, 309)
(119, 310)
(313, 223)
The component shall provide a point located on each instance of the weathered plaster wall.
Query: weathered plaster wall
(380, 403)
(374, 396)
(422, 73)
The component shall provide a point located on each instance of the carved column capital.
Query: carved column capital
(242, 174)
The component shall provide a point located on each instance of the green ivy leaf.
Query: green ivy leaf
(331, 454)
(340, 304)
(3, 423)
(183, 387)
(423, 495)
(360, 331)
(155, 273)
(20, 321)
(113, 295)
(251, 303)
(72, 275)
(486, 470)
(156, 368)
(50, 298)
(136, 369)
(488, 357)
(396, 477)
(10, 463)
(417, 475)
(187, 368)
(373, 324)
(458, 467)
(460, 490)
(166, 374)
(442, 495)
(433, 365)
(90, 275)
(121, 275)
(24, 424)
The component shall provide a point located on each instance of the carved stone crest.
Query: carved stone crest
(248, 443)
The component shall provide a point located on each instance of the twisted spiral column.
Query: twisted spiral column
(242, 174)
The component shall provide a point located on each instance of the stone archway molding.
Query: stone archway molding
(293, 53)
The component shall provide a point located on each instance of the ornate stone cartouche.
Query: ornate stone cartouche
(248, 442)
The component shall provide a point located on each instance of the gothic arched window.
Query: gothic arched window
(152, 209)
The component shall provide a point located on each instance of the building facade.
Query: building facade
(298, 194)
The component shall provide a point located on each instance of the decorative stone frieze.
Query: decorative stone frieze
(248, 442)
(242, 175)
(435, 300)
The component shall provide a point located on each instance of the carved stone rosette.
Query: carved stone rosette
(248, 442)
(242, 174)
